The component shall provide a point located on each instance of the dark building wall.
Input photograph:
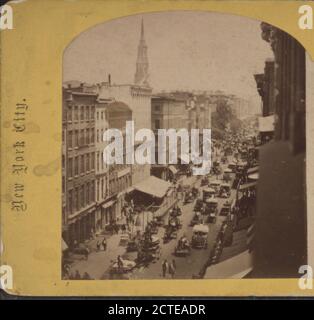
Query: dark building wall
(281, 235)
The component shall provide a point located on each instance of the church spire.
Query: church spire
(142, 30)
(141, 74)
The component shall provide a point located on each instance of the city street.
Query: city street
(98, 263)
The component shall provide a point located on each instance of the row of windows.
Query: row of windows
(99, 161)
(101, 115)
(81, 137)
(120, 184)
(81, 197)
(101, 190)
(81, 164)
(100, 135)
(82, 113)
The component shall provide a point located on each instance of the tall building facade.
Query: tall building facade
(79, 164)
(281, 232)
(103, 214)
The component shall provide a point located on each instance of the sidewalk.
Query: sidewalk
(98, 262)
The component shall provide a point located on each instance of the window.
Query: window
(87, 113)
(76, 166)
(82, 137)
(97, 164)
(69, 113)
(157, 108)
(97, 115)
(97, 191)
(76, 138)
(76, 113)
(76, 199)
(87, 194)
(82, 164)
(87, 162)
(92, 140)
(93, 161)
(92, 116)
(70, 204)
(157, 124)
(82, 195)
(97, 135)
(92, 191)
(63, 184)
(102, 115)
(87, 136)
(70, 139)
(82, 113)
(70, 167)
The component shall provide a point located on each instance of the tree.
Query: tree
(224, 117)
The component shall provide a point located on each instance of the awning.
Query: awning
(173, 169)
(153, 186)
(108, 204)
(247, 185)
(64, 245)
(252, 170)
(236, 267)
(266, 124)
(254, 176)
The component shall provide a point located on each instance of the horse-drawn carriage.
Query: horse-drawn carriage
(211, 209)
(200, 236)
(197, 219)
(170, 233)
(225, 190)
(190, 194)
(183, 247)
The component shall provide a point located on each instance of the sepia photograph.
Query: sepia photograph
(183, 150)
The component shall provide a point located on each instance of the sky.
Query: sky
(186, 50)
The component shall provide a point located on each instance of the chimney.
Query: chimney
(109, 79)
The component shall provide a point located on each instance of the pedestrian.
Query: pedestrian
(120, 263)
(67, 269)
(98, 245)
(86, 253)
(77, 275)
(172, 269)
(104, 244)
(164, 268)
(86, 276)
(174, 264)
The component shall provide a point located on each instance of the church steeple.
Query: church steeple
(141, 74)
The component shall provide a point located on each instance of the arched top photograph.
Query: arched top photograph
(184, 149)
